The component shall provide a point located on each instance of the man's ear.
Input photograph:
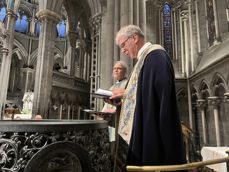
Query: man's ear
(135, 37)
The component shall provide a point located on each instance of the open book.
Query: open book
(102, 93)
(91, 111)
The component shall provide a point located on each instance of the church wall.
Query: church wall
(196, 53)
(226, 123)
(182, 99)
(152, 23)
(222, 17)
(203, 25)
(23, 39)
(34, 44)
(61, 45)
(208, 75)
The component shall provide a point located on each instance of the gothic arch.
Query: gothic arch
(26, 9)
(204, 90)
(20, 55)
(34, 57)
(21, 48)
(58, 51)
(218, 84)
(194, 94)
(181, 94)
(34, 54)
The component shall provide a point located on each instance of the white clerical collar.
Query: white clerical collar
(120, 80)
(142, 49)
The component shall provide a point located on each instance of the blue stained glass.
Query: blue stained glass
(2, 14)
(167, 9)
(24, 24)
(21, 24)
(167, 27)
(61, 28)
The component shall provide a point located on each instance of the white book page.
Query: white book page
(107, 93)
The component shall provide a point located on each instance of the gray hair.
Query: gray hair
(123, 64)
(128, 31)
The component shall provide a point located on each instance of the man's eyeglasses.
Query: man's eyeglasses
(122, 45)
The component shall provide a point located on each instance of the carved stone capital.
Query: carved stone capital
(226, 97)
(201, 103)
(95, 22)
(5, 51)
(11, 13)
(184, 14)
(48, 14)
(214, 101)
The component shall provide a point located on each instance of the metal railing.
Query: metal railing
(188, 166)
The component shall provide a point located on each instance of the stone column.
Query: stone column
(197, 27)
(202, 104)
(214, 102)
(191, 35)
(142, 15)
(82, 51)
(186, 44)
(6, 57)
(108, 62)
(43, 79)
(190, 105)
(126, 18)
(69, 112)
(182, 45)
(116, 28)
(27, 77)
(61, 111)
(32, 27)
(175, 43)
(73, 112)
(4, 86)
(136, 12)
(72, 36)
(186, 39)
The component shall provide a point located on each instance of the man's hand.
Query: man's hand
(117, 93)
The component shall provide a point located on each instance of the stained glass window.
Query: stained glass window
(2, 14)
(61, 28)
(21, 23)
(167, 29)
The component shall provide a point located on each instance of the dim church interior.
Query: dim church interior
(54, 53)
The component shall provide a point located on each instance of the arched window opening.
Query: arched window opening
(167, 29)
(61, 29)
(2, 14)
(21, 23)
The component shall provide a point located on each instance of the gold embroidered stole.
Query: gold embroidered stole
(129, 98)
